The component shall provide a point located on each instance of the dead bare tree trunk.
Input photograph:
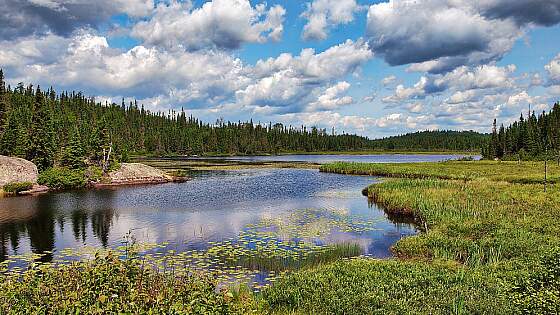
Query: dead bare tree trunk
(545, 166)
(107, 158)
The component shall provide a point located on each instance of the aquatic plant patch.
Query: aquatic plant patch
(256, 257)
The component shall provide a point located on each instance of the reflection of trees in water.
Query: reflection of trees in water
(40, 229)
(9, 234)
(101, 222)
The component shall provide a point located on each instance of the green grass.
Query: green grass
(490, 245)
(271, 261)
(514, 172)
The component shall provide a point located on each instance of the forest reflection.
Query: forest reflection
(38, 218)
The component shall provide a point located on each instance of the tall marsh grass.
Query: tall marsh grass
(490, 245)
(514, 172)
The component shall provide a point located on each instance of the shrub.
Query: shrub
(466, 158)
(108, 285)
(16, 188)
(62, 178)
(179, 173)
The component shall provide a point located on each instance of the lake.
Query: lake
(329, 158)
(241, 208)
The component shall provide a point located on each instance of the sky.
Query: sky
(375, 68)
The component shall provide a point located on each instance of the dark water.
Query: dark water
(210, 208)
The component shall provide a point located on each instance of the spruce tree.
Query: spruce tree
(99, 143)
(42, 134)
(9, 138)
(73, 153)
(4, 107)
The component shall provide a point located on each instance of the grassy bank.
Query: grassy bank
(488, 247)
(513, 172)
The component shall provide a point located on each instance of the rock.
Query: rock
(37, 189)
(16, 170)
(137, 173)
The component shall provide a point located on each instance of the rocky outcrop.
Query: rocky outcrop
(16, 170)
(136, 173)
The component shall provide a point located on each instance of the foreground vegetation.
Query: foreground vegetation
(108, 284)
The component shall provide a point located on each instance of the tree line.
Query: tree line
(434, 140)
(71, 130)
(531, 137)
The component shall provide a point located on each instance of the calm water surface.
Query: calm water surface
(218, 208)
(210, 208)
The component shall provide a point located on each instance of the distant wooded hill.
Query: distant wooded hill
(69, 129)
(436, 140)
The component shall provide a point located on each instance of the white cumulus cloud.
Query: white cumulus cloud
(323, 14)
(224, 24)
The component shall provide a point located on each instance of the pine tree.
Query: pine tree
(42, 150)
(4, 106)
(73, 153)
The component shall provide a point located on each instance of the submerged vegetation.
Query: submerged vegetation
(230, 271)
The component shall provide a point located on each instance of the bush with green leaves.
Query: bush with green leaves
(61, 178)
(109, 285)
(16, 188)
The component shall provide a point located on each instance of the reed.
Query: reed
(271, 261)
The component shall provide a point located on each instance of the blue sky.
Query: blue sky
(375, 68)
